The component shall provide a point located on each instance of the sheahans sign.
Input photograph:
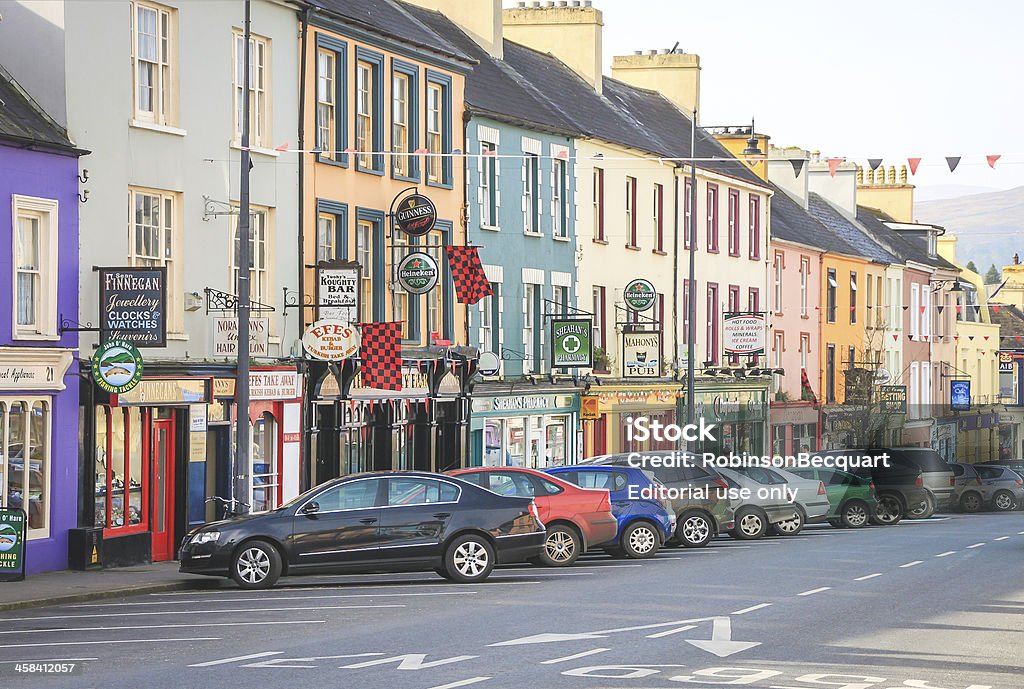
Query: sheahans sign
(571, 345)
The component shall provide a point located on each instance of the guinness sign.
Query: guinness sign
(416, 215)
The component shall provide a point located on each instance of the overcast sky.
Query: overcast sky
(854, 78)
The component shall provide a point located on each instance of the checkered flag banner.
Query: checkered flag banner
(381, 355)
(471, 283)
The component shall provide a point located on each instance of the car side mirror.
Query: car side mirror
(311, 508)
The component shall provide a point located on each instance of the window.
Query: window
(531, 193)
(598, 181)
(326, 97)
(364, 256)
(488, 184)
(401, 111)
(122, 486)
(152, 241)
(560, 295)
(631, 212)
(25, 460)
(778, 349)
(686, 312)
(529, 328)
(259, 283)
(598, 297)
(659, 217)
(419, 491)
(365, 115)
(712, 218)
(493, 307)
(439, 126)
(326, 237)
(915, 315)
(914, 391)
(878, 303)
(560, 198)
(869, 302)
(689, 228)
(258, 89)
(712, 316)
(851, 358)
(354, 495)
(805, 349)
(263, 494)
(926, 312)
(734, 222)
(853, 298)
(777, 266)
(487, 323)
(926, 387)
(830, 301)
(754, 229)
(35, 268)
(153, 57)
(753, 300)
(830, 373)
(732, 306)
(805, 276)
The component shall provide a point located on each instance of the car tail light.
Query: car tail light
(821, 488)
(1019, 482)
(871, 486)
(952, 481)
(920, 481)
(606, 502)
(534, 511)
(722, 485)
(977, 480)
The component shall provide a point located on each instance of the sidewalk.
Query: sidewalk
(67, 586)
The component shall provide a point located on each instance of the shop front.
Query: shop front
(944, 435)
(619, 405)
(740, 417)
(525, 427)
(978, 436)
(796, 428)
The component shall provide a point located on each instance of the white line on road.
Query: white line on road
(494, 576)
(976, 545)
(461, 683)
(48, 660)
(121, 641)
(1002, 538)
(197, 612)
(752, 608)
(574, 656)
(225, 661)
(868, 576)
(235, 599)
(946, 554)
(158, 626)
(1020, 533)
(911, 564)
(670, 632)
(813, 591)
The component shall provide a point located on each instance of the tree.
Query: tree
(971, 267)
(992, 277)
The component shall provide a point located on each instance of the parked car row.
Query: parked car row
(463, 523)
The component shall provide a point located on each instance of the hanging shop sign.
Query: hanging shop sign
(416, 215)
(331, 340)
(489, 364)
(117, 367)
(590, 407)
(274, 385)
(337, 290)
(892, 399)
(133, 305)
(13, 525)
(571, 345)
(225, 337)
(960, 395)
(641, 355)
(743, 333)
(417, 273)
(166, 391)
(639, 295)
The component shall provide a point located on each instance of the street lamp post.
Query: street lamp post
(244, 306)
(691, 285)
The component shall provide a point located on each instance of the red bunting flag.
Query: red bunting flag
(833, 165)
(956, 337)
(986, 338)
(1017, 337)
(959, 308)
(381, 356)
(471, 283)
(490, 152)
(562, 155)
(895, 338)
(913, 163)
(283, 147)
(992, 160)
(995, 308)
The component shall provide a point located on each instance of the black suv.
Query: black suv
(898, 481)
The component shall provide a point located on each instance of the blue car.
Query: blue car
(645, 518)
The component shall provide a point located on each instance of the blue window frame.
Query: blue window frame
(332, 100)
(415, 300)
(369, 110)
(376, 220)
(405, 98)
(438, 127)
(448, 295)
(331, 230)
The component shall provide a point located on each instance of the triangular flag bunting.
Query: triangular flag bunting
(971, 338)
(913, 163)
(995, 308)
(923, 309)
(563, 154)
(1017, 337)
(283, 147)
(992, 160)
(905, 307)
(959, 308)
(798, 165)
(924, 337)
(874, 163)
(952, 162)
(895, 338)
(986, 338)
(833, 165)
(956, 337)
(939, 308)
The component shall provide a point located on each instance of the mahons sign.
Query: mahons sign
(571, 344)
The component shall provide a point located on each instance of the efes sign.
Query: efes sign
(416, 215)
(331, 340)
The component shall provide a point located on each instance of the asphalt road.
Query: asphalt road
(937, 604)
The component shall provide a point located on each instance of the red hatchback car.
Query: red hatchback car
(576, 518)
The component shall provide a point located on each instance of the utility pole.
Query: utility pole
(242, 434)
(691, 303)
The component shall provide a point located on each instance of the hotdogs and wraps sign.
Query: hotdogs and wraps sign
(133, 305)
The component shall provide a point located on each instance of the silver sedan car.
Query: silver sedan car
(763, 504)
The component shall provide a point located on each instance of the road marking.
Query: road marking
(976, 545)
(548, 574)
(534, 569)
(158, 626)
(197, 612)
(47, 660)
(1002, 538)
(1020, 533)
(752, 608)
(948, 552)
(813, 591)
(868, 576)
(461, 683)
(122, 641)
(225, 661)
(549, 637)
(263, 598)
(574, 656)
(911, 564)
(670, 632)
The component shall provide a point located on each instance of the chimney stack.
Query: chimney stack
(782, 171)
(676, 75)
(571, 32)
(479, 19)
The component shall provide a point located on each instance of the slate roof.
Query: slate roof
(391, 18)
(22, 121)
(848, 230)
(907, 247)
(1010, 319)
(790, 222)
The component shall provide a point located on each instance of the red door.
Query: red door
(162, 489)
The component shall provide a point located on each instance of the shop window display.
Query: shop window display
(25, 459)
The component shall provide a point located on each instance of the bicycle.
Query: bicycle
(229, 506)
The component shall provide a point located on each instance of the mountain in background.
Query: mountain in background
(989, 227)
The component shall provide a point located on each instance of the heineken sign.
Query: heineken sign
(13, 525)
(417, 273)
(116, 367)
(639, 295)
(416, 215)
(571, 344)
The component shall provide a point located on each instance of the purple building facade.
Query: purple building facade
(39, 386)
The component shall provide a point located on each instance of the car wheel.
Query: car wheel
(855, 514)
(256, 565)
(970, 502)
(750, 524)
(790, 527)
(561, 546)
(469, 559)
(1003, 501)
(836, 523)
(640, 540)
(924, 510)
(890, 510)
(695, 530)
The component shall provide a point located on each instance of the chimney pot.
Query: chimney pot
(521, 3)
(574, 3)
(638, 52)
(587, 3)
(563, 3)
(903, 174)
(652, 52)
(666, 51)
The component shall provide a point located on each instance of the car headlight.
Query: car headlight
(205, 537)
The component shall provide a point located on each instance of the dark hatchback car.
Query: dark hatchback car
(392, 521)
(899, 482)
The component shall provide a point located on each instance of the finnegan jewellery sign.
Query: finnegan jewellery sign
(417, 273)
(743, 333)
(12, 544)
(337, 290)
(571, 343)
(133, 305)
(416, 215)
(639, 295)
(116, 367)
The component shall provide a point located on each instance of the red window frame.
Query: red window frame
(755, 227)
(686, 312)
(659, 218)
(144, 428)
(600, 316)
(712, 316)
(734, 222)
(631, 200)
(687, 213)
(599, 192)
(733, 305)
(712, 227)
